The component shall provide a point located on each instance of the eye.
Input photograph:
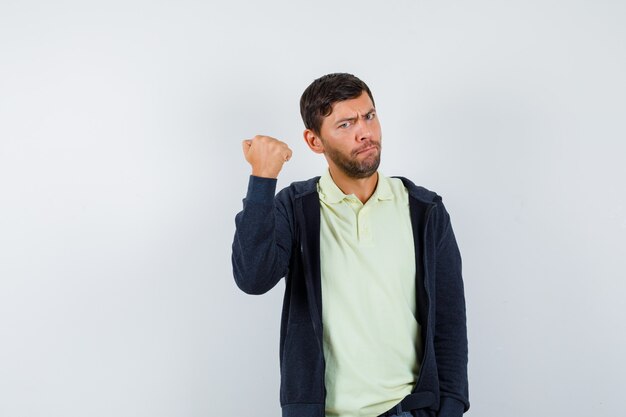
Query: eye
(370, 116)
(344, 125)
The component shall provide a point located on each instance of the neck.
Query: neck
(362, 188)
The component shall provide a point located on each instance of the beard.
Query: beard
(351, 166)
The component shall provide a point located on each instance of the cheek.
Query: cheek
(338, 145)
(377, 127)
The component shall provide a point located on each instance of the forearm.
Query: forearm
(260, 247)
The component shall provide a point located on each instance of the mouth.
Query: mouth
(366, 149)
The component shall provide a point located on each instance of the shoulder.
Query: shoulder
(418, 192)
(440, 230)
(298, 189)
(440, 217)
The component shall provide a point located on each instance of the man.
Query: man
(373, 320)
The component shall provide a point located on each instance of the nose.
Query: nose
(363, 131)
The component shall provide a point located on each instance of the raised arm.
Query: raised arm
(262, 242)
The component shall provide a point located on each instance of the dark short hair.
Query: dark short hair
(318, 98)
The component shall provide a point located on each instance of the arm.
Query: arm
(450, 329)
(262, 243)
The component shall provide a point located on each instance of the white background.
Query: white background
(121, 172)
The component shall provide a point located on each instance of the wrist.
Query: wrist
(264, 173)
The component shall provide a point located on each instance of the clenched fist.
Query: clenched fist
(266, 155)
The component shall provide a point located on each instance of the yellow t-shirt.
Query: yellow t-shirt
(371, 335)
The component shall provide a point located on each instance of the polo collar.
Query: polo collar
(331, 194)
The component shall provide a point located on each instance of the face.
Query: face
(351, 137)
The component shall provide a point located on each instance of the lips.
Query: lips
(366, 149)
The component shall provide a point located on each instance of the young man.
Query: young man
(373, 320)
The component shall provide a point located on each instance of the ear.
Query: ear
(313, 141)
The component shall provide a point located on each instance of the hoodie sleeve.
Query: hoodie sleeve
(262, 243)
(450, 329)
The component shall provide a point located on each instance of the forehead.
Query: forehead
(352, 107)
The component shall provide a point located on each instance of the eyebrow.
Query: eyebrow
(351, 119)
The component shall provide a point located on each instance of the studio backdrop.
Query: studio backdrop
(121, 172)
